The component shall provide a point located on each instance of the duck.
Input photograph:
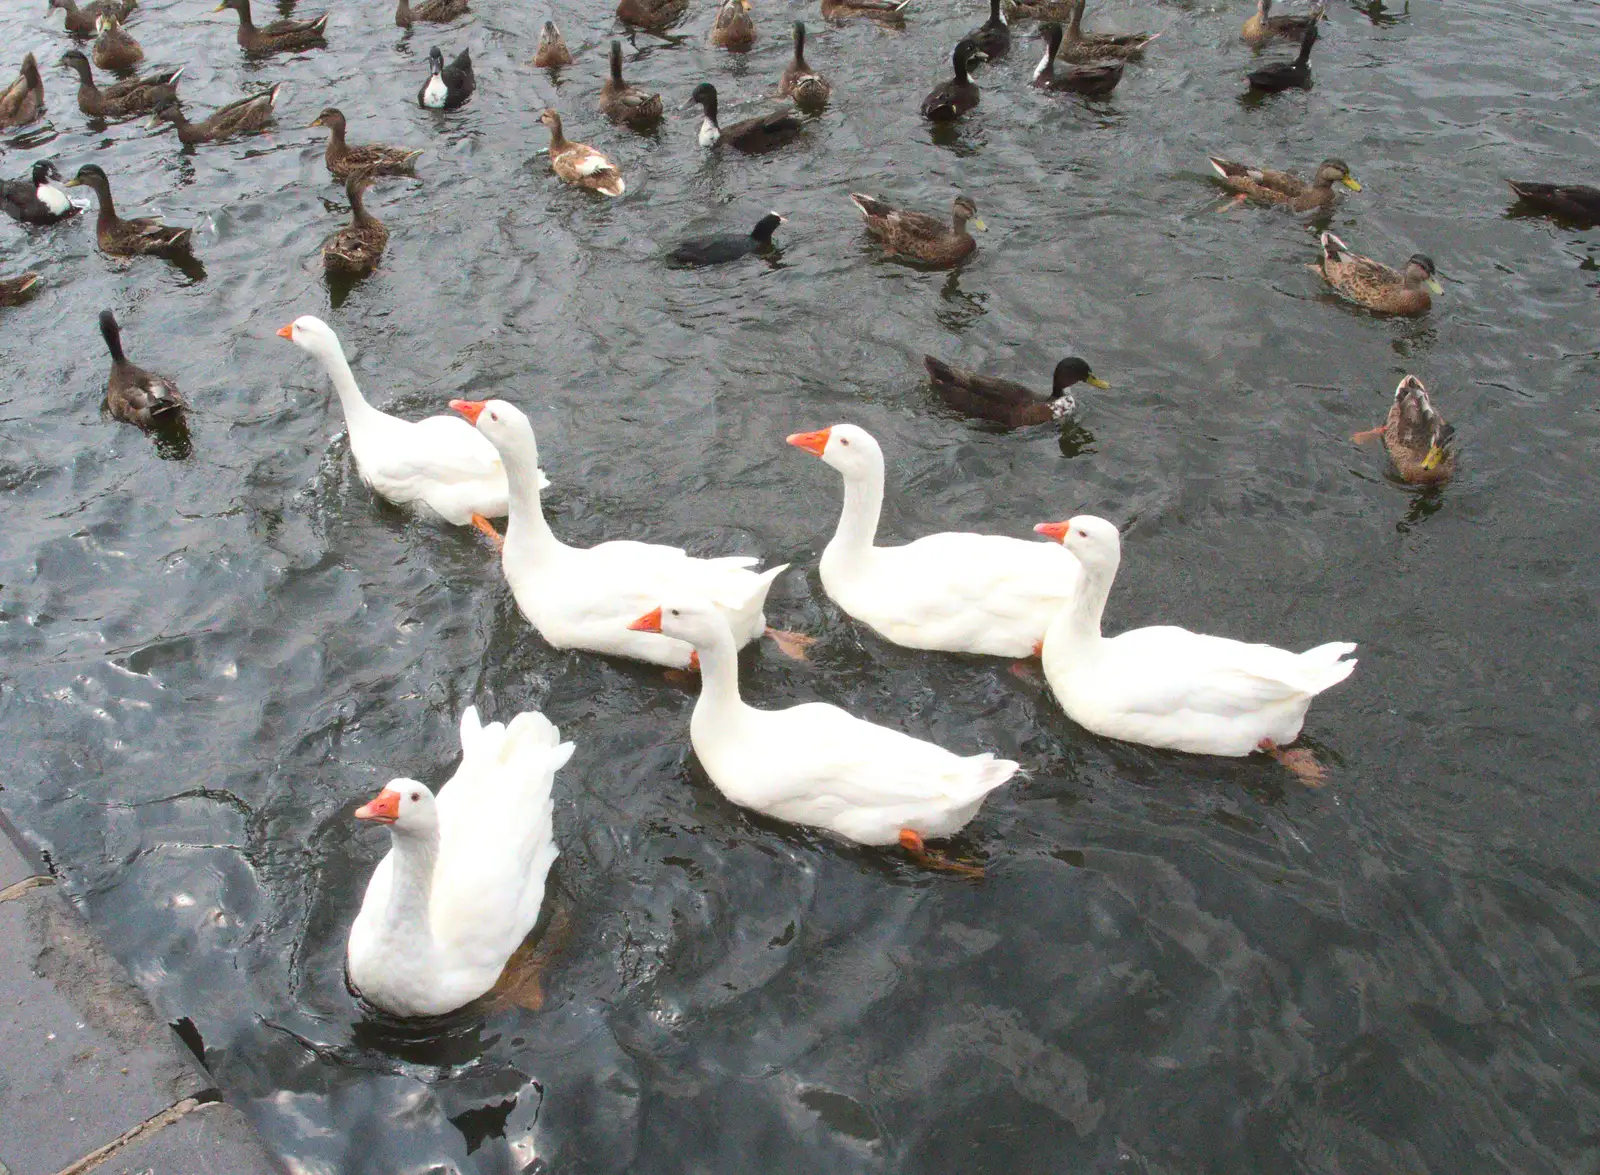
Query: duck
(1092, 81)
(918, 236)
(242, 117)
(803, 85)
(1059, 10)
(885, 12)
(15, 290)
(1376, 286)
(1263, 27)
(430, 11)
(724, 247)
(651, 15)
(993, 37)
(552, 52)
(35, 200)
(114, 48)
(23, 100)
(580, 164)
(80, 21)
(122, 98)
(1287, 75)
(355, 250)
(816, 764)
(950, 100)
(1005, 402)
(441, 466)
(626, 104)
(129, 238)
(344, 161)
(1166, 686)
(281, 36)
(1284, 188)
(134, 395)
(448, 86)
(585, 597)
(1417, 437)
(732, 27)
(1088, 48)
(955, 592)
(1575, 202)
(464, 878)
(750, 135)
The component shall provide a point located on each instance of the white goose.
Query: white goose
(584, 597)
(440, 464)
(464, 879)
(814, 763)
(960, 592)
(1169, 687)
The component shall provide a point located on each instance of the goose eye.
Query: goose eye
(415, 798)
(675, 612)
(1083, 534)
(843, 441)
(494, 416)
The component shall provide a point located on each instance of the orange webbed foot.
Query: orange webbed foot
(792, 644)
(916, 848)
(487, 527)
(1366, 435)
(1298, 760)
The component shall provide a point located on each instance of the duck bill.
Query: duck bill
(812, 442)
(1351, 182)
(384, 808)
(1094, 381)
(1433, 286)
(317, 121)
(471, 409)
(1053, 530)
(74, 182)
(978, 224)
(286, 332)
(649, 622)
(1434, 459)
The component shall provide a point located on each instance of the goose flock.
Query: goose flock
(463, 883)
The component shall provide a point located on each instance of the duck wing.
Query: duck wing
(1002, 392)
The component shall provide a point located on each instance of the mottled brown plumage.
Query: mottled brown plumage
(1285, 188)
(1089, 48)
(246, 116)
(732, 27)
(281, 36)
(624, 103)
(80, 21)
(344, 161)
(552, 52)
(114, 48)
(120, 99)
(14, 290)
(128, 238)
(579, 163)
(1417, 438)
(134, 395)
(1263, 27)
(430, 11)
(653, 15)
(1375, 285)
(919, 236)
(884, 12)
(807, 87)
(355, 249)
(23, 100)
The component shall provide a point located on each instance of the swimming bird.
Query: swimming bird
(1285, 75)
(356, 249)
(23, 100)
(1088, 48)
(1005, 402)
(653, 15)
(1575, 202)
(552, 52)
(732, 27)
(950, 100)
(134, 395)
(627, 104)
(1262, 26)
(464, 879)
(448, 86)
(919, 236)
(344, 161)
(1265, 186)
(1169, 687)
(1417, 437)
(579, 163)
(430, 11)
(15, 290)
(723, 247)
(35, 199)
(114, 48)
(992, 38)
(890, 13)
(808, 88)
(128, 238)
(120, 99)
(1092, 81)
(243, 117)
(281, 36)
(1375, 285)
(750, 135)
(81, 20)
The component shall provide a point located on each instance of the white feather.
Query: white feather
(54, 199)
(594, 163)
(1044, 64)
(709, 134)
(435, 93)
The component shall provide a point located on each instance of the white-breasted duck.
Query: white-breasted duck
(750, 135)
(448, 86)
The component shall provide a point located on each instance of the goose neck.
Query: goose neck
(858, 519)
(1078, 624)
(719, 678)
(357, 411)
(527, 530)
(405, 926)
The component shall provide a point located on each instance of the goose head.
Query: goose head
(849, 449)
(406, 806)
(506, 426)
(313, 336)
(1095, 542)
(695, 622)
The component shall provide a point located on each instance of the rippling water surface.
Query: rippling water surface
(1175, 964)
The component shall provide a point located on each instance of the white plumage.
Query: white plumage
(435, 92)
(54, 199)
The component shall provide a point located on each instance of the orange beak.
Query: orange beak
(649, 622)
(286, 332)
(471, 409)
(1055, 530)
(384, 808)
(811, 442)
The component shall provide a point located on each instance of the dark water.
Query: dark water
(1175, 964)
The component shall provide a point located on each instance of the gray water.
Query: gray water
(1174, 964)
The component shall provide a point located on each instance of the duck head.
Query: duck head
(1095, 542)
(1337, 171)
(1420, 272)
(406, 806)
(848, 448)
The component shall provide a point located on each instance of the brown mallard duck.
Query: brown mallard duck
(750, 135)
(1040, 9)
(114, 48)
(808, 88)
(281, 36)
(1262, 26)
(652, 15)
(355, 249)
(885, 12)
(35, 200)
(1087, 48)
(919, 236)
(134, 395)
(949, 100)
(23, 99)
(732, 28)
(123, 98)
(1265, 186)
(1575, 202)
(18, 289)
(80, 21)
(993, 36)
(1092, 81)
(579, 163)
(1278, 76)
(430, 11)
(246, 116)
(552, 52)
(626, 104)
(128, 238)
(344, 161)
(1005, 402)
(1376, 286)
(1417, 437)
